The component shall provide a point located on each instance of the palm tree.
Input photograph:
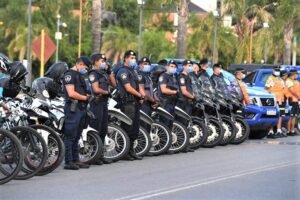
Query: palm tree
(183, 14)
(96, 25)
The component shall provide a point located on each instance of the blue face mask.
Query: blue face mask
(172, 70)
(133, 64)
(180, 68)
(83, 71)
(189, 69)
(146, 68)
(102, 66)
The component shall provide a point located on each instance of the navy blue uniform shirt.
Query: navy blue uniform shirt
(72, 77)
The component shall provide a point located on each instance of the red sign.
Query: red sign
(49, 48)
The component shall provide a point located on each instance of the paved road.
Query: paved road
(257, 169)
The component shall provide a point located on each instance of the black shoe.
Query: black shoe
(106, 161)
(272, 136)
(82, 165)
(188, 149)
(98, 162)
(291, 134)
(128, 157)
(71, 166)
(134, 155)
(281, 135)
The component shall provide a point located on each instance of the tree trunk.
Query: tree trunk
(287, 37)
(182, 28)
(96, 25)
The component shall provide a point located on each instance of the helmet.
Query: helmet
(17, 71)
(10, 88)
(45, 83)
(4, 62)
(56, 71)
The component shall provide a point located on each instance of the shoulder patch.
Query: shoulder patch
(92, 77)
(140, 77)
(124, 76)
(68, 78)
(182, 80)
(161, 79)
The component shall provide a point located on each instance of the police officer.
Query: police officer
(294, 88)
(239, 75)
(168, 90)
(100, 78)
(275, 85)
(75, 111)
(203, 75)
(127, 82)
(217, 79)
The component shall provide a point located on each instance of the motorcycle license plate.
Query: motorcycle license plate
(271, 112)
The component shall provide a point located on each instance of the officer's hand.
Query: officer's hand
(90, 98)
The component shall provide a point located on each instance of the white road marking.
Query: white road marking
(207, 181)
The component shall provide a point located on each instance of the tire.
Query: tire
(35, 151)
(116, 143)
(180, 137)
(230, 131)
(143, 143)
(197, 133)
(11, 156)
(258, 134)
(243, 131)
(215, 133)
(56, 150)
(90, 150)
(161, 138)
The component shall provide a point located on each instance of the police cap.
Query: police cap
(129, 53)
(276, 68)
(186, 62)
(173, 62)
(144, 59)
(97, 56)
(283, 72)
(85, 60)
(237, 70)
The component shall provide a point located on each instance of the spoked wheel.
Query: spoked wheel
(215, 133)
(243, 131)
(142, 145)
(198, 133)
(229, 131)
(35, 151)
(56, 148)
(91, 148)
(180, 137)
(11, 156)
(116, 143)
(161, 138)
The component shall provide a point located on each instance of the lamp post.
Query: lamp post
(58, 35)
(216, 15)
(28, 77)
(265, 26)
(141, 6)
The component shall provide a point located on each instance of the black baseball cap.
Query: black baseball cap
(203, 61)
(144, 59)
(283, 72)
(173, 62)
(276, 68)
(85, 60)
(96, 56)
(237, 70)
(186, 62)
(129, 53)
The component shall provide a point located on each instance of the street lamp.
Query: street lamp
(216, 15)
(58, 34)
(141, 4)
(29, 75)
(265, 26)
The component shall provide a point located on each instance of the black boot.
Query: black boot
(133, 154)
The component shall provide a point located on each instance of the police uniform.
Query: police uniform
(168, 102)
(184, 102)
(74, 119)
(130, 104)
(275, 85)
(100, 105)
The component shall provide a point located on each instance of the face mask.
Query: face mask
(276, 73)
(179, 69)
(243, 76)
(189, 69)
(221, 70)
(102, 66)
(172, 70)
(146, 68)
(133, 64)
(83, 71)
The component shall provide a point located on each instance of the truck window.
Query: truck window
(263, 78)
(250, 77)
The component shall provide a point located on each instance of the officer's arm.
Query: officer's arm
(131, 90)
(165, 90)
(97, 89)
(112, 80)
(142, 89)
(73, 94)
(186, 93)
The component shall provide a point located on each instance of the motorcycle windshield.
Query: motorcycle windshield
(196, 85)
(39, 89)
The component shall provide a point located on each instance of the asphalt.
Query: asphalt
(257, 169)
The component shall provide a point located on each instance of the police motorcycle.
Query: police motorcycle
(235, 98)
(208, 111)
(33, 144)
(179, 132)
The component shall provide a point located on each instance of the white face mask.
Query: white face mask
(277, 73)
(243, 76)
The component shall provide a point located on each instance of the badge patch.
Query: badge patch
(68, 78)
(124, 76)
(161, 79)
(140, 77)
(92, 77)
(182, 81)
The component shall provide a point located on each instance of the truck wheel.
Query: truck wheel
(258, 134)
